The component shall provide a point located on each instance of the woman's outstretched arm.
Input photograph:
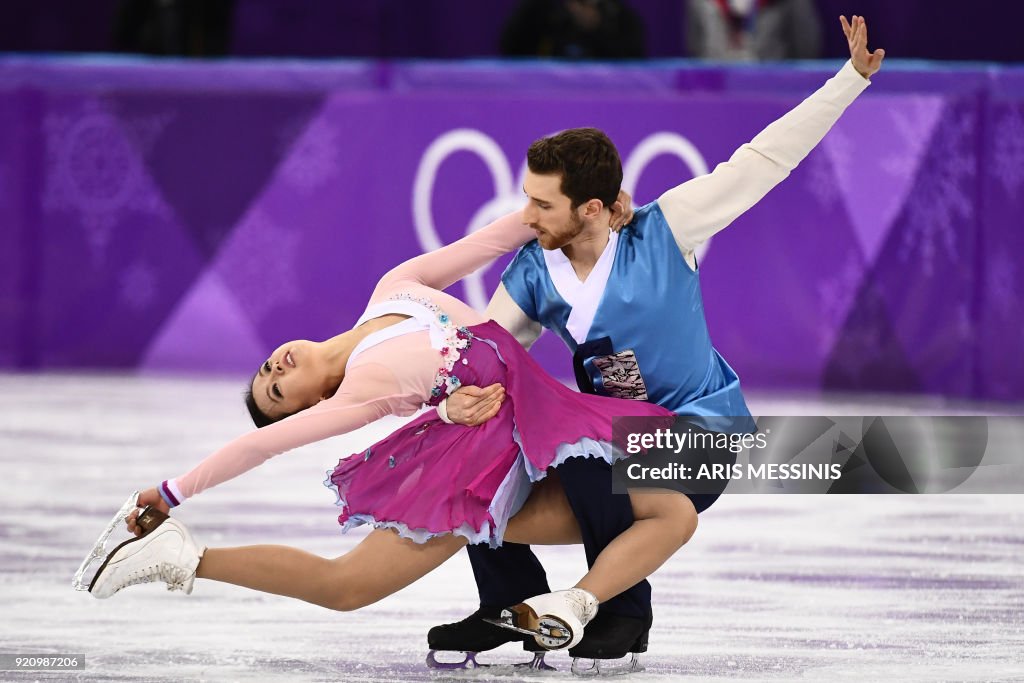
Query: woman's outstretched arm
(368, 393)
(441, 268)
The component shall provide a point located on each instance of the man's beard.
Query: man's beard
(558, 241)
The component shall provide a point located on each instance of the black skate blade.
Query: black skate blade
(469, 663)
(559, 634)
(539, 631)
(508, 625)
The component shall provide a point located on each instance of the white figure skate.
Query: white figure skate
(165, 552)
(555, 620)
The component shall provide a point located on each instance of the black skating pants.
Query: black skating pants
(510, 574)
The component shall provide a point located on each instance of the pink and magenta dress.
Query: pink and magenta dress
(430, 478)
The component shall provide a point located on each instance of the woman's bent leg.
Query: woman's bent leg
(546, 517)
(663, 522)
(380, 565)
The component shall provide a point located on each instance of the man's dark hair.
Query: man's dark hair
(587, 161)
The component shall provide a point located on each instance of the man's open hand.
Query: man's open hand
(866, 63)
(472, 406)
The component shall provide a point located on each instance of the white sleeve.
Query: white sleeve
(506, 312)
(699, 208)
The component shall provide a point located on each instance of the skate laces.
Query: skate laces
(173, 575)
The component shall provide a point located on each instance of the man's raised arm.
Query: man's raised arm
(699, 208)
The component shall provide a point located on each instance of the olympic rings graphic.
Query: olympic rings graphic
(507, 196)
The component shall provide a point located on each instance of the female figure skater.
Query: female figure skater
(429, 488)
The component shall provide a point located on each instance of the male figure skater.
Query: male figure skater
(628, 305)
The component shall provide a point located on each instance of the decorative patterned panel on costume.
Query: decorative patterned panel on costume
(620, 375)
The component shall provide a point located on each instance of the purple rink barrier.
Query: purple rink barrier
(189, 217)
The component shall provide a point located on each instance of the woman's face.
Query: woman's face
(291, 380)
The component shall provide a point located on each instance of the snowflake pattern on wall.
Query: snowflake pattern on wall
(260, 264)
(835, 294)
(941, 208)
(138, 285)
(906, 120)
(861, 348)
(6, 185)
(314, 158)
(839, 148)
(963, 323)
(1008, 152)
(93, 170)
(1001, 278)
(821, 179)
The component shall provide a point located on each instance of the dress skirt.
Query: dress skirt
(431, 478)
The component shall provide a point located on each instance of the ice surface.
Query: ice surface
(823, 588)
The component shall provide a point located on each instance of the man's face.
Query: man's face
(549, 212)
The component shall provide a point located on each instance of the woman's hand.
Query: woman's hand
(622, 211)
(147, 497)
(866, 63)
(472, 406)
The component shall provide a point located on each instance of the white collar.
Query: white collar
(583, 297)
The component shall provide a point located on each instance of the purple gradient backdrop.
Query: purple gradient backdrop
(183, 217)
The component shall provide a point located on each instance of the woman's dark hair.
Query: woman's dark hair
(587, 161)
(259, 418)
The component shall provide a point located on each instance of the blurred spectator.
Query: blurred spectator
(753, 30)
(575, 29)
(192, 28)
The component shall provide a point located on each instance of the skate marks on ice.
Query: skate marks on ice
(861, 588)
(831, 588)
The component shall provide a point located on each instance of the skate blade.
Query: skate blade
(610, 667)
(549, 632)
(99, 572)
(148, 519)
(510, 627)
(99, 548)
(469, 663)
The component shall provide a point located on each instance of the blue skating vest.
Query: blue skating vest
(648, 339)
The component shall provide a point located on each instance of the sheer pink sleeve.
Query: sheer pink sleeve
(369, 392)
(443, 267)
